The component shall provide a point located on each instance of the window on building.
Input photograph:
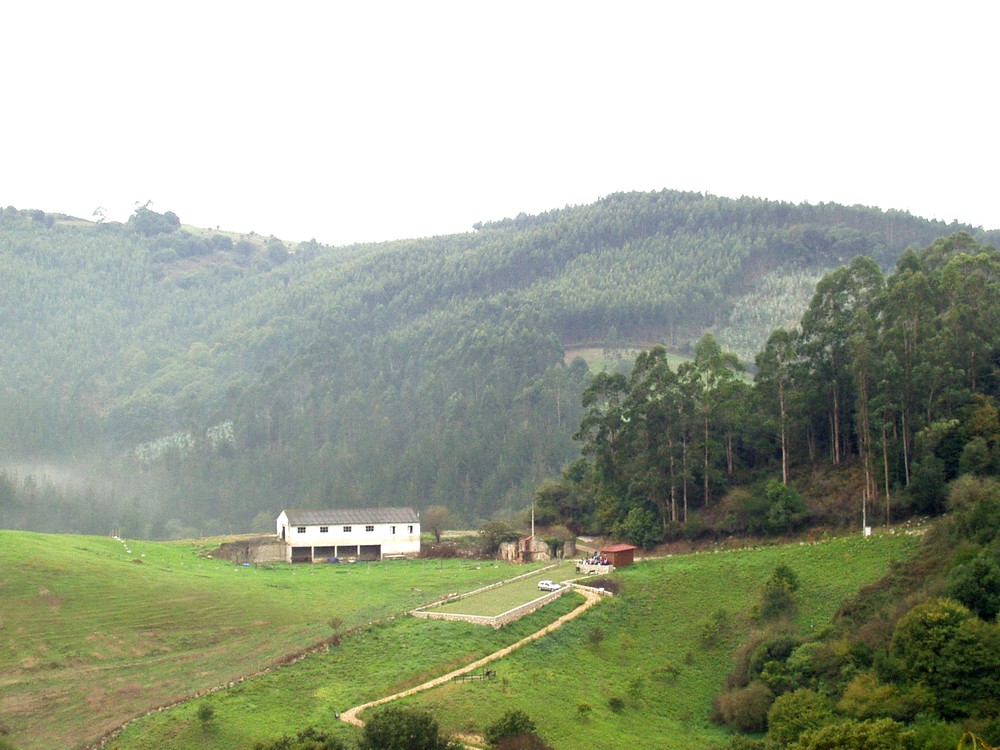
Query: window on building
(347, 529)
(369, 528)
(301, 529)
(411, 529)
(324, 529)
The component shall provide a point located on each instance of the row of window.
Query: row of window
(348, 529)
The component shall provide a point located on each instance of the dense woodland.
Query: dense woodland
(894, 379)
(167, 381)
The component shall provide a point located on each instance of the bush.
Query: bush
(865, 697)
(778, 597)
(493, 534)
(514, 723)
(793, 713)
(616, 704)
(640, 527)
(395, 728)
(786, 508)
(776, 601)
(307, 739)
(874, 734)
(975, 509)
(745, 709)
(976, 584)
(205, 714)
(944, 646)
(595, 635)
(714, 630)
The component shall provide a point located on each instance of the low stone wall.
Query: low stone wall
(591, 569)
(494, 621)
(426, 612)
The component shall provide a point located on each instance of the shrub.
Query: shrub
(307, 739)
(513, 723)
(205, 714)
(793, 713)
(975, 509)
(595, 635)
(976, 584)
(865, 697)
(745, 709)
(873, 734)
(714, 630)
(778, 597)
(493, 534)
(944, 646)
(742, 742)
(640, 527)
(786, 508)
(396, 728)
(616, 704)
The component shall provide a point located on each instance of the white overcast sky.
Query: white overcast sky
(368, 121)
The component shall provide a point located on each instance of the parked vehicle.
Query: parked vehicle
(548, 585)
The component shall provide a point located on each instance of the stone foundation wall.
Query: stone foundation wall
(496, 621)
(260, 549)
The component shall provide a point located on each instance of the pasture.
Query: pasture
(642, 647)
(94, 631)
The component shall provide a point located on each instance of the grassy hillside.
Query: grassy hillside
(93, 630)
(647, 651)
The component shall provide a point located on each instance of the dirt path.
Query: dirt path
(351, 714)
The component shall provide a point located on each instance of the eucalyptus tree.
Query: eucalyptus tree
(715, 384)
(774, 381)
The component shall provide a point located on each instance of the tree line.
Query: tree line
(426, 371)
(895, 377)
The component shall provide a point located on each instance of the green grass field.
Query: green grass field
(376, 661)
(92, 634)
(643, 647)
(648, 654)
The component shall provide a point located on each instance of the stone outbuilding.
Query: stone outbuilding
(533, 548)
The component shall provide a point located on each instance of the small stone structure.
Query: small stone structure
(258, 549)
(534, 549)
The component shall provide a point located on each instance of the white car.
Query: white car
(548, 585)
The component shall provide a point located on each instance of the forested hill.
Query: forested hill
(196, 380)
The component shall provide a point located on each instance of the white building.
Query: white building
(348, 533)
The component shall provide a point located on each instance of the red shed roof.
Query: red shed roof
(618, 548)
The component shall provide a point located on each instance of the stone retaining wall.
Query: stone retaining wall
(494, 621)
(261, 549)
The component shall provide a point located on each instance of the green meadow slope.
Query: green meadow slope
(644, 647)
(94, 631)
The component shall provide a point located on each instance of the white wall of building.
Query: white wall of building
(393, 538)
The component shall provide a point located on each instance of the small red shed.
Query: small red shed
(619, 555)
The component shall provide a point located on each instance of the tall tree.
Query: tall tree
(773, 380)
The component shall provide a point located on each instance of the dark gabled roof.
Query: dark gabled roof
(336, 516)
